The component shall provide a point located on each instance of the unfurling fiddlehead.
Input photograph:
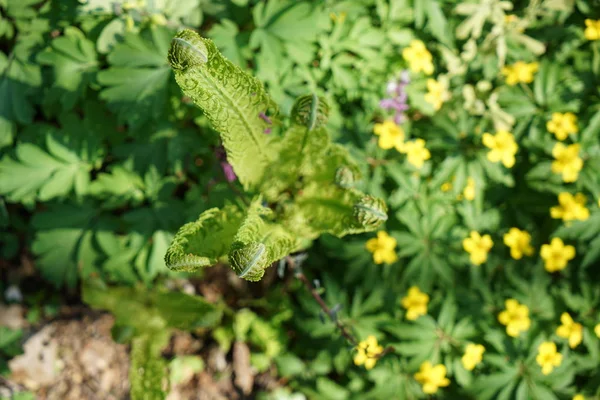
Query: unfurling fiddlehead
(231, 99)
(310, 111)
(307, 181)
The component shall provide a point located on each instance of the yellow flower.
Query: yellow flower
(416, 152)
(446, 187)
(520, 72)
(368, 352)
(579, 397)
(437, 93)
(503, 147)
(418, 57)
(469, 191)
(548, 357)
(338, 18)
(592, 29)
(415, 303)
(570, 207)
(597, 330)
(158, 19)
(509, 18)
(515, 318)
(570, 330)
(383, 248)
(472, 357)
(478, 247)
(556, 255)
(562, 125)
(432, 377)
(518, 241)
(390, 135)
(567, 161)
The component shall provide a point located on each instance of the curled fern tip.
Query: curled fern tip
(187, 50)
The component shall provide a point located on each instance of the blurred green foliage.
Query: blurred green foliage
(102, 159)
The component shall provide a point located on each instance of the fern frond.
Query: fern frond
(302, 144)
(201, 243)
(231, 99)
(330, 209)
(258, 243)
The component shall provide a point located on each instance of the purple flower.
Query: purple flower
(264, 117)
(268, 120)
(395, 104)
(396, 89)
(228, 171)
(225, 166)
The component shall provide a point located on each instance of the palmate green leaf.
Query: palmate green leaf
(169, 149)
(203, 242)
(148, 369)
(227, 36)
(19, 82)
(137, 83)
(488, 386)
(117, 187)
(591, 131)
(348, 53)
(64, 242)
(150, 233)
(74, 63)
(284, 30)
(7, 132)
(40, 174)
(231, 99)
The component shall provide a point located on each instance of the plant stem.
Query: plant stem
(313, 291)
(315, 294)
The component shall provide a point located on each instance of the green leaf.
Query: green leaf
(183, 367)
(437, 23)
(74, 62)
(593, 253)
(37, 174)
(231, 99)
(137, 83)
(324, 208)
(19, 81)
(590, 133)
(148, 369)
(203, 242)
(305, 150)
(152, 311)
(258, 243)
(63, 242)
(283, 27)
(118, 187)
(227, 37)
(289, 365)
(487, 386)
(331, 390)
(110, 35)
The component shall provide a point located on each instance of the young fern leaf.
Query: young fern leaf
(334, 210)
(203, 242)
(231, 99)
(258, 243)
(308, 180)
(303, 144)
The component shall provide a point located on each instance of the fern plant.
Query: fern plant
(301, 183)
